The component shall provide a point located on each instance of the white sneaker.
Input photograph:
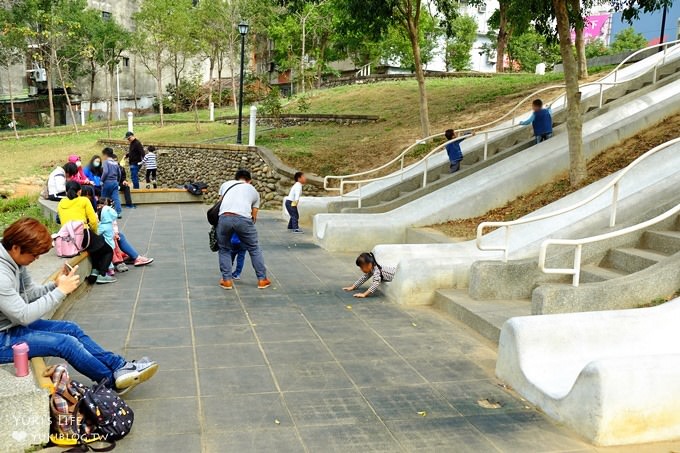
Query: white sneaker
(134, 373)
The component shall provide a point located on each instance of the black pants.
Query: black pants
(127, 195)
(150, 175)
(57, 197)
(294, 215)
(101, 254)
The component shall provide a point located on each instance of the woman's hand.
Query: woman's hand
(348, 288)
(361, 295)
(68, 283)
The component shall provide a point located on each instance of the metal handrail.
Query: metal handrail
(575, 271)
(613, 184)
(348, 179)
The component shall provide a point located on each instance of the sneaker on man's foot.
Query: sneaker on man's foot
(130, 206)
(236, 277)
(262, 284)
(134, 373)
(298, 231)
(226, 284)
(142, 261)
(104, 279)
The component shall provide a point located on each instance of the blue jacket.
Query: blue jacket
(111, 171)
(454, 151)
(96, 179)
(541, 122)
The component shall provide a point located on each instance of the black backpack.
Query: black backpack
(105, 412)
(196, 188)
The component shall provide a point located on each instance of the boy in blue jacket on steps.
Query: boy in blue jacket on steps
(541, 120)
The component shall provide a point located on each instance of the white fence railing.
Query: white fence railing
(352, 179)
(578, 244)
(612, 185)
(364, 71)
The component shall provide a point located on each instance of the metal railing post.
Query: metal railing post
(654, 78)
(486, 143)
(359, 204)
(601, 94)
(342, 187)
(425, 175)
(507, 244)
(401, 169)
(615, 203)
(577, 265)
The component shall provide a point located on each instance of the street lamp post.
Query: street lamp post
(243, 30)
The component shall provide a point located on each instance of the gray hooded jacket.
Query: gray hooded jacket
(22, 301)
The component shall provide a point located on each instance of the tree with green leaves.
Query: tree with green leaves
(154, 38)
(628, 40)
(105, 42)
(459, 44)
(530, 48)
(375, 17)
(12, 50)
(213, 15)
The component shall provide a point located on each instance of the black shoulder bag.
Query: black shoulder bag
(214, 212)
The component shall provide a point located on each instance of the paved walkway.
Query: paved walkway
(301, 366)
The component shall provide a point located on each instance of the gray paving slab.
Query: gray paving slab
(301, 366)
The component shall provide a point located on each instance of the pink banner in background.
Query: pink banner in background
(596, 27)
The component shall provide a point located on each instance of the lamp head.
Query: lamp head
(243, 28)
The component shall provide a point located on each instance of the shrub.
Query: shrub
(271, 105)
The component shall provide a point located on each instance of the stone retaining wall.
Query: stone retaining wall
(179, 164)
(294, 119)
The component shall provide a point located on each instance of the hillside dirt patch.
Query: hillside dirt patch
(607, 162)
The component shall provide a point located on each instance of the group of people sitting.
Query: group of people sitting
(90, 195)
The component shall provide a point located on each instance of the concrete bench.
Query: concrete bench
(162, 196)
(612, 376)
(24, 402)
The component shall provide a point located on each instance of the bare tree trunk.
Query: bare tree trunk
(134, 82)
(108, 107)
(420, 76)
(50, 92)
(577, 167)
(232, 69)
(210, 81)
(11, 103)
(322, 57)
(503, 35)
(302, 55)
(195, 109)
(93, 76)
(111, 98)
(68, 99)
(579, 40)
(159, 87)
(220, 63)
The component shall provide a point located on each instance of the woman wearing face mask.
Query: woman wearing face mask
(94, 173)
(80, 177)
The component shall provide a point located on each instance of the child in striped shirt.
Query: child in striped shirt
(151, 165)
(372, 271)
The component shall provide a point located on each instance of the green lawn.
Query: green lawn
(453, 103)
(36, 156)
(13, 209)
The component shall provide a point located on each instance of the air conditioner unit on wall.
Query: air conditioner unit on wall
(40, 75)
(481, 9)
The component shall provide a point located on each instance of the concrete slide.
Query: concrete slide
(612, 376)
(425, 268)
(495, 185)
(310, 206)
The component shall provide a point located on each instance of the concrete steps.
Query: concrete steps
(631, 259)
(665, 241)
(438, 177)
(591, 273)
(484, 316)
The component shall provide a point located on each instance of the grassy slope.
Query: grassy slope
(38, 155)
(609, 161)
(336, 149)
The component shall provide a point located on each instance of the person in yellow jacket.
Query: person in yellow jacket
(76, 208)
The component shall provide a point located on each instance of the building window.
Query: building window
(106, 15)
(126, 62)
